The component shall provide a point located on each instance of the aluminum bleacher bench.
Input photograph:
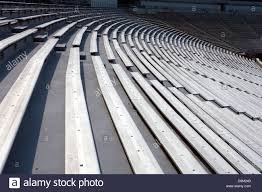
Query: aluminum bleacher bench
(98, 27)
(116, 22)
(122, 55)
(35, 17)
(130, 41)
(148, 65)
(15, 38)
(76, 16)
(129, 36)
(190, 84)
(91, 23)
(149, 52)
(45, 25)
(123, 32)
(114, 34)
(93, 43)
(14, 104)
(222, 131)
(7, 22)
(94, 39)
(80, 151)
(242, 126)
(162, 69)
(135, 60)
(211, 156)
(66, 13)
(176, 149)
(244, 121)
(153, 51)
(229, 124)
(153, 35)
(78, 39)
(62, 31)
(139, 46)
(141, 158)
(109, 52)
(163, 56)
(80, 21)
(214, 140)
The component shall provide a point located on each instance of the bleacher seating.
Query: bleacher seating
(239, 33)
(126, 94)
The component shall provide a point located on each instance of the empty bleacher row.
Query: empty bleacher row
(235, 31)
(101, 91)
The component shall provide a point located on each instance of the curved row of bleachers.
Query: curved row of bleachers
(146, 56)
(105, 91)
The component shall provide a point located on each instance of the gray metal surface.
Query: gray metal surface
(80, 151)
(14, 104)
(172, 143)
(204, 149)
(139, 154)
